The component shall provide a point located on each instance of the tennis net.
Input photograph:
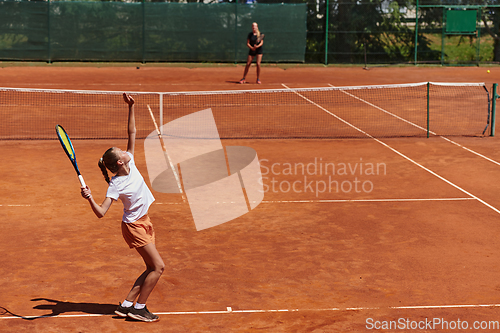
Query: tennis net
(403, 110)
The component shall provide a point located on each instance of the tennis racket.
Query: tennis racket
(260, 38)
(69, 150)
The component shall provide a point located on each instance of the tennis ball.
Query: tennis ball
(488, 71)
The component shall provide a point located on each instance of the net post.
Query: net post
(428, 113)
(493, 108)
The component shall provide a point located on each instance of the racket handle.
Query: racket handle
(82, 182)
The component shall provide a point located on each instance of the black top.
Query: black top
(253, 40)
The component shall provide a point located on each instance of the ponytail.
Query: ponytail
(258, 31)
(104, 170)
(108, 162)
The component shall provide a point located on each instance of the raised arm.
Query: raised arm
(131, 123)
(99, 210)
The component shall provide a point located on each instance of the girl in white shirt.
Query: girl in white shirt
(128, 185)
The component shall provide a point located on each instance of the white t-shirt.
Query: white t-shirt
(132, 191)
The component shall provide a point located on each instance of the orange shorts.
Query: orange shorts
(139, 233)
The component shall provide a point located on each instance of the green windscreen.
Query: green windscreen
(95, 31)
(148, 31)
(23, 30)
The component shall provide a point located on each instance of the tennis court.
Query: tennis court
(353, 234)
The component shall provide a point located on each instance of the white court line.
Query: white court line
(424, 129)
(366, 200)
(471, 151)
(230, 310)
(399, 153)
(304, 201)
(352, 200)
(383, 110)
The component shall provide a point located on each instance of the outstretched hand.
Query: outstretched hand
(128, 99)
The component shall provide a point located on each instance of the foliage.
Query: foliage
(379, 29)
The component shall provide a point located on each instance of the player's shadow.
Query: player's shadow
(56, 308)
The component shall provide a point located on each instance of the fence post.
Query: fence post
(478, 36)
(416, 33)
(235, 32)
(48, 32)
(443, 34)
(327, 12)
(493, 108)
(143, 31)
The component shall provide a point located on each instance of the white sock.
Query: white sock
(127, 304)
(139, 306)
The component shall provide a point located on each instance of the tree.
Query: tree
(379, 26)
(491, 20)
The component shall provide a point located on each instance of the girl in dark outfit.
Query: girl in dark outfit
(256, 50)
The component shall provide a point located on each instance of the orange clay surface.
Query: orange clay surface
(419, 242)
